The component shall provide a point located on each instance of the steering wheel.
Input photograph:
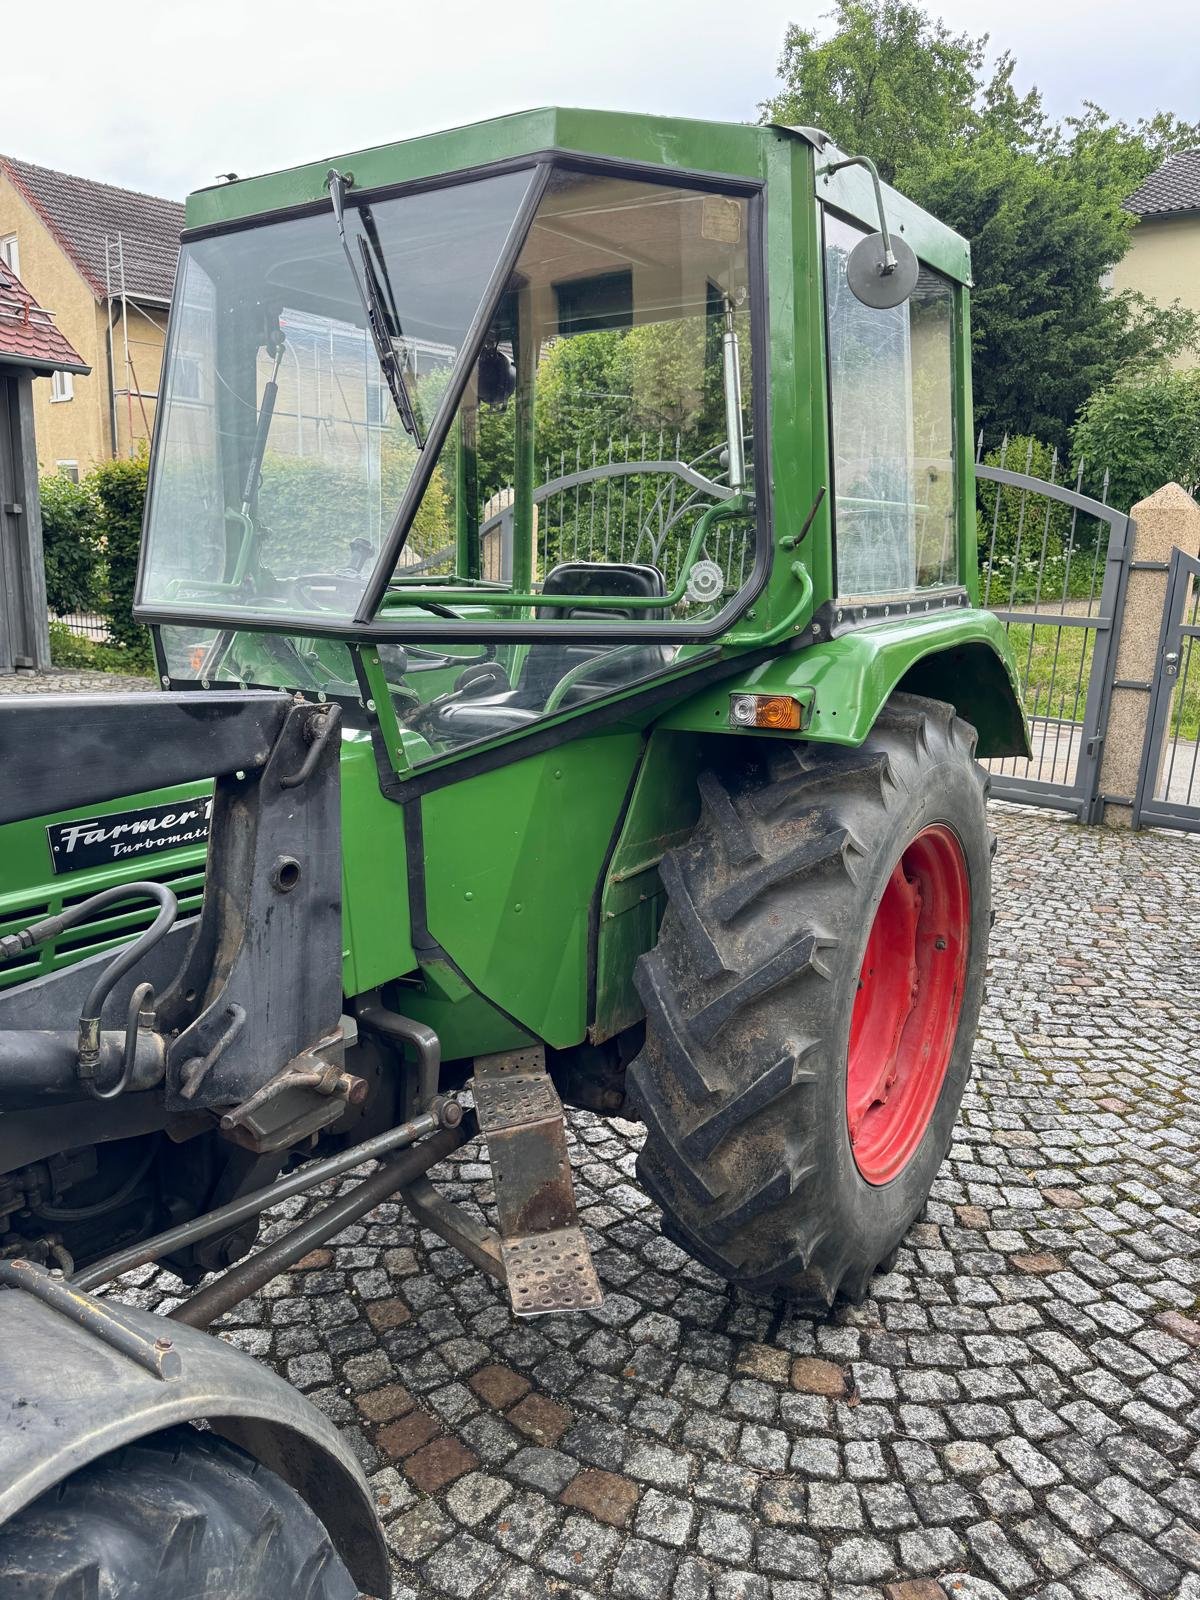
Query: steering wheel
(484, 677)
(342, 591)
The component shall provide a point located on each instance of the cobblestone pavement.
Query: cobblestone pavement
(1014, 1411)
(71, 680)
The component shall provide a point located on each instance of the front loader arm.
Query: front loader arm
(240, 1018)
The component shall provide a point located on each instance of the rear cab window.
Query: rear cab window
(892, 406)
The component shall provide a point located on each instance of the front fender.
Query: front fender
(72, 1390)
(843, 683)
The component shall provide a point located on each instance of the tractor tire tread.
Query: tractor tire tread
(179, 1514)
(758, 901)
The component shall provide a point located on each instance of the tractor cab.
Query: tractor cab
(496, 443)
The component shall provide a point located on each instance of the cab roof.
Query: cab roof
(751, 152)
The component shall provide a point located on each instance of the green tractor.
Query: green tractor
(561, 564)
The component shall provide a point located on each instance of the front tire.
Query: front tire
(181, 1515)
(812, 1002)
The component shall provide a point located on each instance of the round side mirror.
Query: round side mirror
(496, 377)
(871, 283)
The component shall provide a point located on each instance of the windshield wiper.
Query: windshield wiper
(382, 321)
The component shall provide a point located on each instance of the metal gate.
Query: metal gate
(1168, 790)
(1053, 570)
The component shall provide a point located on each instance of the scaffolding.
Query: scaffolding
(116, 293)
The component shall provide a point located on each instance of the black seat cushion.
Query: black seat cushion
(604, 578)
(604, 666)
(548, 663)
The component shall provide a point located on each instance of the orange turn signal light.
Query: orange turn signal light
(777, 712)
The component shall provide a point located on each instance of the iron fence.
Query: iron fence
(1168, 791)
(636, 500)
(1052, 567)
(88, 625)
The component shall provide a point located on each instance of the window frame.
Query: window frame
(367, 624)
(873, 607)
(10, 253)
(62, 386)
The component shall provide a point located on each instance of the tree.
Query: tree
(1146, 432)
(1045, 332)
(890, 81)
(1040, 202)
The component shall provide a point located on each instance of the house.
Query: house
(103, 259)
(1163, 259)
(33, 355)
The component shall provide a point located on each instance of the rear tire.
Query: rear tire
(181, 1515)
(748, 1080)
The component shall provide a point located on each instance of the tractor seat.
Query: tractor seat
(547, 664)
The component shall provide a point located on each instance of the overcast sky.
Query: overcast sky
(166, 96)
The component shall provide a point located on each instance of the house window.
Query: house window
(69, 470)
(187, 378)
(9, 253)
(62, 386)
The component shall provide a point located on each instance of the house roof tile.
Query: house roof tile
(28, 336)
(1175, 186)
(82, 214)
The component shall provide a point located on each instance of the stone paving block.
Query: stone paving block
(435, 1465)
(401, 1438)
(999, 1557)
(581, 1549)
(463, 1566)
(644, 1571)
(540, 1419)
(816, 1376)
(665, 1517)
(604, 1495)
(498, 1385)
(524, 1523)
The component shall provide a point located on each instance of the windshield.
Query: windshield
(596, 469)
(281, 455)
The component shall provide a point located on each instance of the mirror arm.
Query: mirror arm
(889, 258)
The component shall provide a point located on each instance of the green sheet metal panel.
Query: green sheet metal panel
(662, 813)
(30, 889)
(512, 862)
(376, 927)
(738, 149)
(853, 675)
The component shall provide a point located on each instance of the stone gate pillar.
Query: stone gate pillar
(1168, 518)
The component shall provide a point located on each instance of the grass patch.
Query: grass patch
(1054, 665)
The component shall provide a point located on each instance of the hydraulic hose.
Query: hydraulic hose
(98, 1208)
(141, 1003)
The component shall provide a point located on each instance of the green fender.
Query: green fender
(843, 683)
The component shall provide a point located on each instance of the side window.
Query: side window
(891, 380)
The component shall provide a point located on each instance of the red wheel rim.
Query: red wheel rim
(906, 1011)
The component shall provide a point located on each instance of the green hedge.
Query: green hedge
(90, 536)
(1146, 431)
(71, 546)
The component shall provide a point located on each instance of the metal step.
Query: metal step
(547, 1262)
